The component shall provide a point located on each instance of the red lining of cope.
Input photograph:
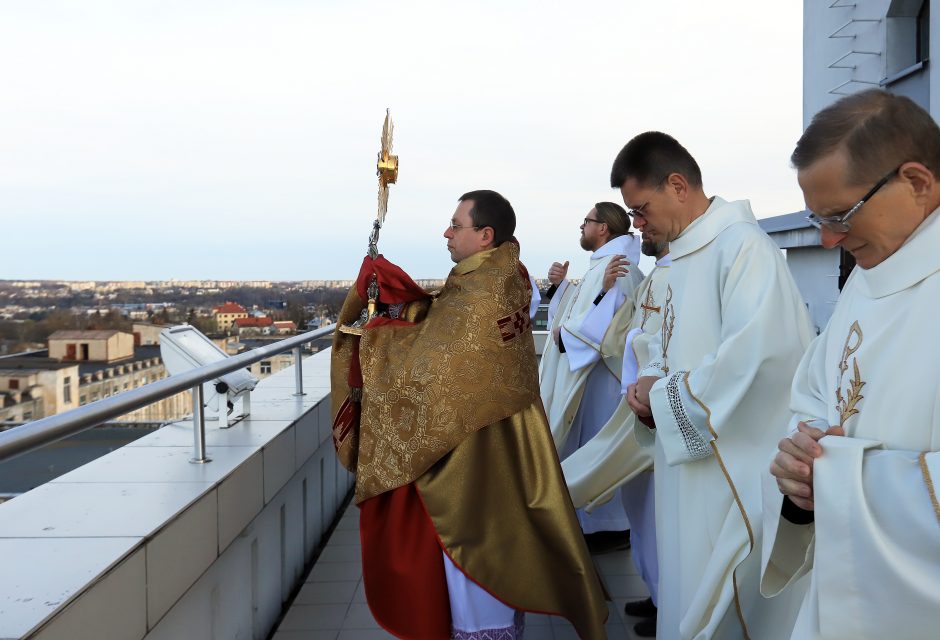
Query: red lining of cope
(402, 568)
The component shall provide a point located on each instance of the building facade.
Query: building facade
(226, 314)
(851, 45)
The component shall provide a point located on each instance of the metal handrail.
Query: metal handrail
(39, 433)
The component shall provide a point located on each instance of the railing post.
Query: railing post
(298, 373)
(199, 427)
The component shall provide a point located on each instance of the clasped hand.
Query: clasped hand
(793, 464)
(638, 396)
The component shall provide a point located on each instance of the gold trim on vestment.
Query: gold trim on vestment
(737, 500)
(925, 470)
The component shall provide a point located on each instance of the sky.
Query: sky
(149, 140)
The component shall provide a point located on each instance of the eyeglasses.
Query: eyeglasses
(586, 220)
(838, 222)
(638, 211)
(456, 227)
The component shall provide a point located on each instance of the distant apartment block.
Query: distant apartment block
(80, 367)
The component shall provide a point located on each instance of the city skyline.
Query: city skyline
(237, 141)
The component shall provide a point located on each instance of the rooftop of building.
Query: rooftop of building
(786, 222)
(33, 361)
(40, 360)
(99, 334)
(230, 307)
(254, 322)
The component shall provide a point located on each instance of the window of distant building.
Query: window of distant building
(265, 366)
(14, 384)
(923, 32)
(67, 389)
(82, 400)
(27, 415)
(907, 48)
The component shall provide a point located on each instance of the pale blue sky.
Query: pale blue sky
(237, 140)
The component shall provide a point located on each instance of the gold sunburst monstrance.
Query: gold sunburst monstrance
(387, 170)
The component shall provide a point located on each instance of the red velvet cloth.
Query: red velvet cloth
(402, 566)
(395, 285)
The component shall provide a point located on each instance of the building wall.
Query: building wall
(224, 321)
(272, 365)
(149, 333)
(118, 346)
(53, 391)
(861, 44)
(816, 272)
(60, 389)
(166, 410)
(24, 411)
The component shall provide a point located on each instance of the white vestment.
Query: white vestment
(873, 552)
(734, 328)
(536, 297)
(581, 388)
(613, 459)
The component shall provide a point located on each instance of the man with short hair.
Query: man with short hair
(580, 369)
(733, 329)
(465, 519)
(613, 459)
(855, 498)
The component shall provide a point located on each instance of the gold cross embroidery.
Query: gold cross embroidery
(648, 307)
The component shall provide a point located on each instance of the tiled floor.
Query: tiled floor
(331, 605)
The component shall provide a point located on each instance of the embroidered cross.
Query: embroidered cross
(648, 307)
(515, 324)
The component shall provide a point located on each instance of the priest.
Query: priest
(854, 502)
(614, 459)
(465, 519)
(580, 368)
(733, 330)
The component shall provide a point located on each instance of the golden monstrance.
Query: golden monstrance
(387, 170)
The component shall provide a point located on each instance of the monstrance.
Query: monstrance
(387, 170)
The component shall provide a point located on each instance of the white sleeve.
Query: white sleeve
(536, 298)
(556, 300)
(877, 540)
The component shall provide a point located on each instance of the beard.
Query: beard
(586, 244)
(652, 248)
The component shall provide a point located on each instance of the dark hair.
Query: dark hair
(616, 218)
(650, 158)
(492, 210)
(878, 131)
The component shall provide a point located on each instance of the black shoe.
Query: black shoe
(645, 628)
(640, 608)
(607, 541)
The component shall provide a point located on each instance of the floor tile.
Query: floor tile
(326, 592)
(359, 617)
(345, 537)
(360, 592)
(364, 634)
(303, 617)
(336, 553)
(538, 633)
(335, 572)
(310, 634)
